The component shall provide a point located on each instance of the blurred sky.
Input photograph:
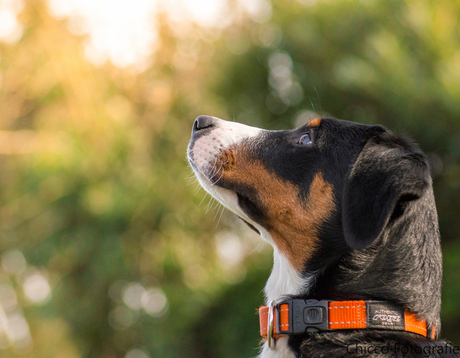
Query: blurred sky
(124, 32)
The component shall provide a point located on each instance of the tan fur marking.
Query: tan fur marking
(296, 234)
(314, 122)
(293, 223)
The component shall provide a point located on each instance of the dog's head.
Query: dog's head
(327, 179)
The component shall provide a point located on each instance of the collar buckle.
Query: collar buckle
(305, 316)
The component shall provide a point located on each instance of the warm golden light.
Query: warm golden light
(125, 33)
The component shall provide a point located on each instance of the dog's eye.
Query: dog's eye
(305, 139)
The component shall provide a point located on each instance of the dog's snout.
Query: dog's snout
(203, 122)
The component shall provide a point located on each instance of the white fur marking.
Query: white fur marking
(284, 279)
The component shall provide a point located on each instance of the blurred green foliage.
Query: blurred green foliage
(107, 249)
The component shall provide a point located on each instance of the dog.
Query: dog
(350, 212)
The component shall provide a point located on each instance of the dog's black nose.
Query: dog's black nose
(203, 122)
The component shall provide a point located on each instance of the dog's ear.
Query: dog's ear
(388, 173)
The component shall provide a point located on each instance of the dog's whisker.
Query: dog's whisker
(217, 173)
(218, 206)
(219, 178)
(191, 180)
(198, 187)
(217, 213)
(221, 214)
(213, 169)
(211, 200)
(212, 205)
(218, 170)
(215, 204)
(204, 197)
(260, 245)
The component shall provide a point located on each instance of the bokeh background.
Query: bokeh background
(108, 248)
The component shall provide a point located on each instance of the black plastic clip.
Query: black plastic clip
(304, 316)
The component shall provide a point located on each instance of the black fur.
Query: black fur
(387, 218)
(385, 177)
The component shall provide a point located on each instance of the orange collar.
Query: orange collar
(297, 316)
